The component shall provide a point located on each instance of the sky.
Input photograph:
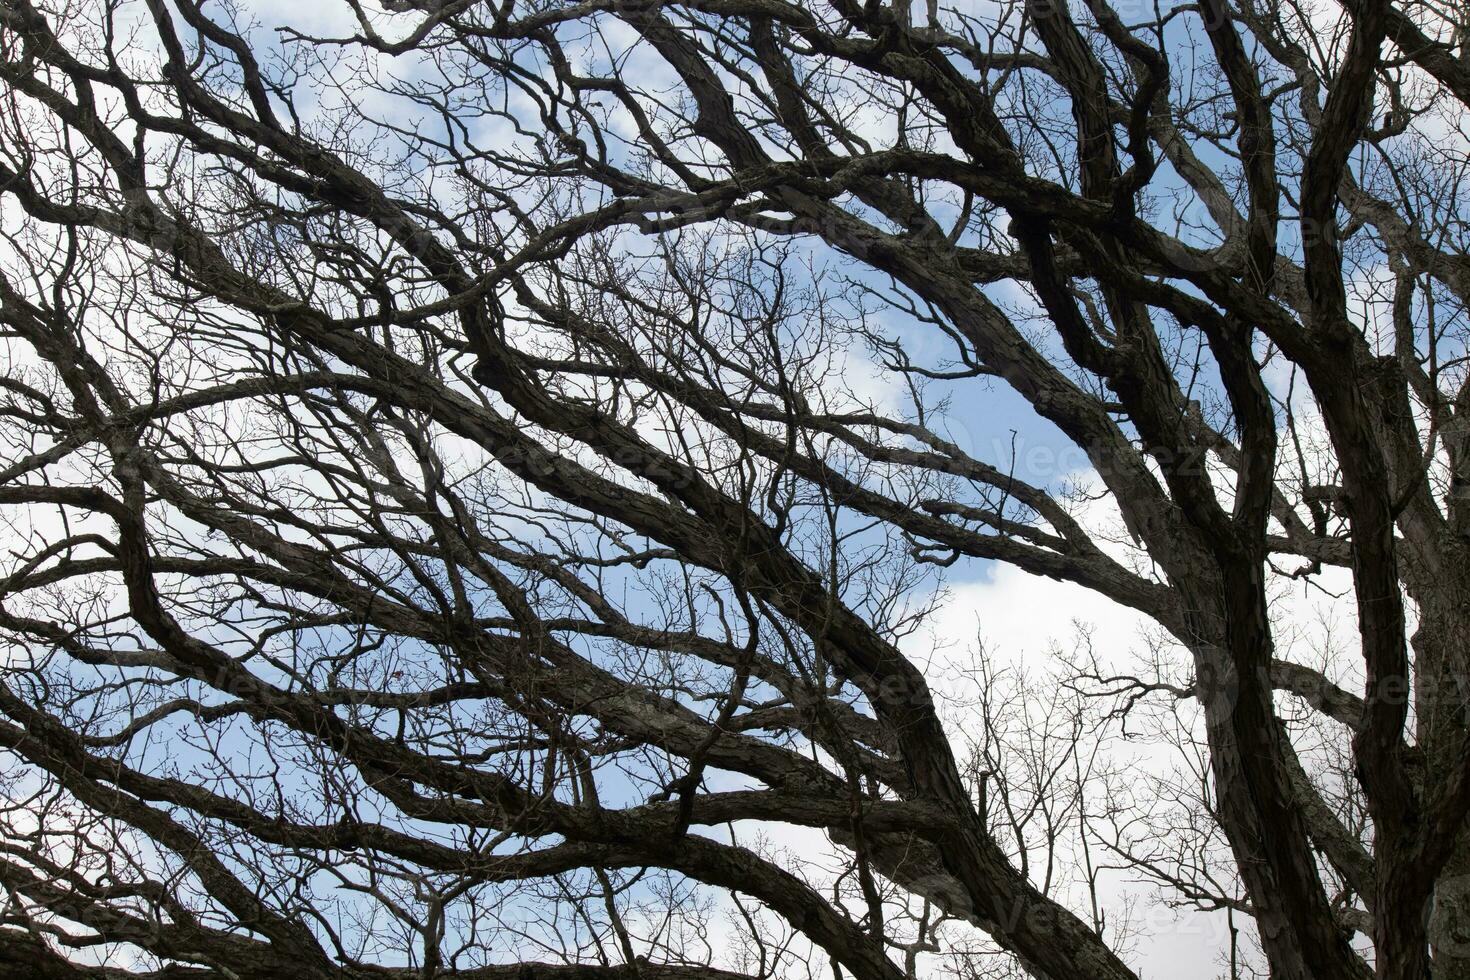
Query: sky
(1022, 619)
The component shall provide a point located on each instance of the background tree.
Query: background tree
(473, 469)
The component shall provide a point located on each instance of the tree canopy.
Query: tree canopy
(476, 476)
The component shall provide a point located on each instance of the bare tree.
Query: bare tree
(475, 475)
